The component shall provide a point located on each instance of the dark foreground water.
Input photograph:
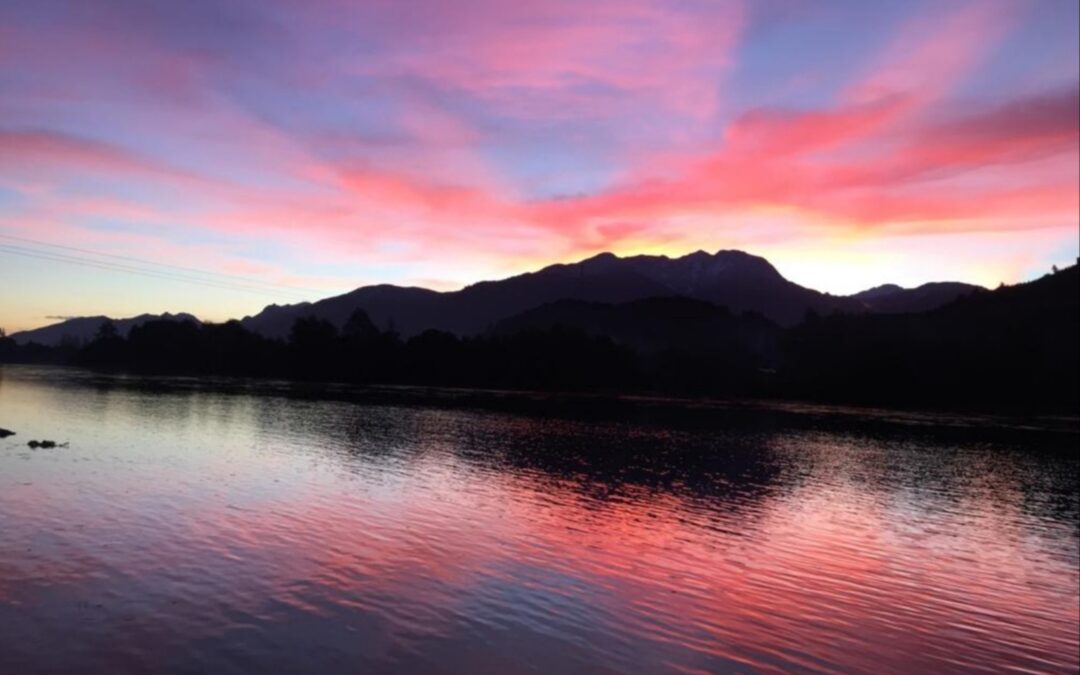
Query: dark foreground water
(191, 530)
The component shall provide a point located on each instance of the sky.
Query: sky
(215, 156)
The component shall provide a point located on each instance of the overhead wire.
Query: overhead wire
(130, 269)
(224, 275)
(151, 269)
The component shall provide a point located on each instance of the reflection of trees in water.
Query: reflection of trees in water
(923, 477)
(600, 461)
(735, 474)
(726, 457)
(608, 460)
(723, 457)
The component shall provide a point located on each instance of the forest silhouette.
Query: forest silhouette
(1014, 348)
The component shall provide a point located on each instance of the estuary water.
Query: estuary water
(193, 527)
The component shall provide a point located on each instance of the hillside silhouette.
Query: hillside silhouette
(80, 330)
(733, 279)
(1016, 347)
(1012, 348)
(738, 281)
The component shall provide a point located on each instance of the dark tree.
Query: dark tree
(359, 327)
(8, 348)
(106, 331)
(106, 349)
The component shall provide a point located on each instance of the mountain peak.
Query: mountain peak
(605, 260)
(697, 255)
(878, 291)
(605, 256)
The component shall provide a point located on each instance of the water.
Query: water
(190, 529)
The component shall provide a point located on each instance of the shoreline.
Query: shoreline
(595, 405)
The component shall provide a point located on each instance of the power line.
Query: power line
(250, 281)
(117, 267)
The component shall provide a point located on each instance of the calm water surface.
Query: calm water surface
(193, 530)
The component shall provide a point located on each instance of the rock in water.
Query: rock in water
(4, 433)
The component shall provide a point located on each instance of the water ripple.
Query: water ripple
(206, 531)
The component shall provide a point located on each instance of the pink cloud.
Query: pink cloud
(895, 150)
(554, 51)
(879, 155)
(20, 150)
(932, 52)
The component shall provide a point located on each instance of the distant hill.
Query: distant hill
(82, 329)
(893, 299)
(876, 292)
(733, 279)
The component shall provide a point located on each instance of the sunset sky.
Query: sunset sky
(230, 154)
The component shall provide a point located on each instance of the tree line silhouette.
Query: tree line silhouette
(1014, 348)
(562, 358)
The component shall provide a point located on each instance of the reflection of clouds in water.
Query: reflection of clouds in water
(231, 531)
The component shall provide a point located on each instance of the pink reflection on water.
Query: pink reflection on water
(823, 575)
(234, 541)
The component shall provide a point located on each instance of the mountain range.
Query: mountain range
(734, 280)
(82, 329)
